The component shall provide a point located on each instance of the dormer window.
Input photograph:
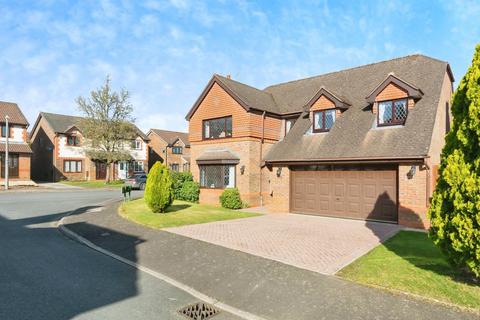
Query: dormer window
(392, 99)
(392, 112)
(73, 141)
(323, 120)
(137, 144)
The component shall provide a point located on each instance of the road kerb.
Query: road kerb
(193, 292)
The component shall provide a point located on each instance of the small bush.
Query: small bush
(158, 191)
(230, 199)
(178, 179)
(190, 191)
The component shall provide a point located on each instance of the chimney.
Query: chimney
(229, 76)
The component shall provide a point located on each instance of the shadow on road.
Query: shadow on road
(44, 278)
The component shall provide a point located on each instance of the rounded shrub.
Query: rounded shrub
(230, 199)
(158, 192)
(190, 191)
(178, 179)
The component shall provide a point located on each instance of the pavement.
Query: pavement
(45, 275)
(259, 286)
(319, 244)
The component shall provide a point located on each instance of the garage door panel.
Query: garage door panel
(323, 188)
(364, 194)
(339, 190)
(310, 205)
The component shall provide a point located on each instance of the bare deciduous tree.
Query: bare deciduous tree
(107, 125)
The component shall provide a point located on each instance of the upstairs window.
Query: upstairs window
(137, 144)
(177, 150)
(73, 141)
(3, 131)
(393, 112)
(323, 120)
(217, 128)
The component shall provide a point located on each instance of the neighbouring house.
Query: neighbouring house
(169, 147)
(19, 152)
(360, 143)
(59, 152)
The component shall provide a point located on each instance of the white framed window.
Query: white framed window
(72, 166)
(217, 176)
(137, 166)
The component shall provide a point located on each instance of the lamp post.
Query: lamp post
(7, 134)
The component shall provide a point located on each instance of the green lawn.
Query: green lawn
(180, 213)
(410, 262)
(94, 184)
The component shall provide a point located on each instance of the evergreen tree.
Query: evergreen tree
(455, 209)
(158, 191)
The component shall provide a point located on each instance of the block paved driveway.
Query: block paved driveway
(314, 243)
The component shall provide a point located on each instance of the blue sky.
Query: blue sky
(164, 52)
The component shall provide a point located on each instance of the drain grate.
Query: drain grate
(199, 311)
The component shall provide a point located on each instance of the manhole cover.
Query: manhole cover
(199, 311)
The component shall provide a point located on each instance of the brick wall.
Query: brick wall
(323, 103)
(248, 151)
(392, 92)
(218, 103)
(412, 197)
(279, 191)
(245, 143)
(439, 130)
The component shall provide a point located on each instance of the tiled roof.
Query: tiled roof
(16, 148)
(217, 155)
(14, 113)
(61, 123)
(171, 136)
(352, 135)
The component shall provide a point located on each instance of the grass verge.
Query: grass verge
(410, 262)
(94, 184)
(180, 213)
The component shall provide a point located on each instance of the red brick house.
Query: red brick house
(169, 147)
(360, 143)
(59, 152)
(19, 151)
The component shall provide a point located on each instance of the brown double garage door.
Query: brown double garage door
(359, 194)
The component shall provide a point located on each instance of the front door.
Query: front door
(101, 170)
(123, 170)
(13, 165)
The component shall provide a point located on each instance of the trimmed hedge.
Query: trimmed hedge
(230, 199)
(158, 191)
(178, 179)
(190, 191)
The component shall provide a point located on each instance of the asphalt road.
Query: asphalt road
(44, 275)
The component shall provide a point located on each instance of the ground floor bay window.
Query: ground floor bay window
(13, 165)
(215, 176)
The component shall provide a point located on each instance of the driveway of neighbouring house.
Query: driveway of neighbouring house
(319, 244)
